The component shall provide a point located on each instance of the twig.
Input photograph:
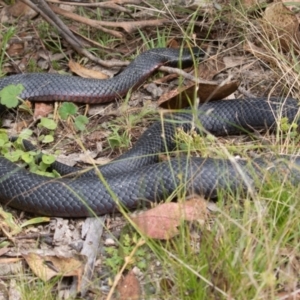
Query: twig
(42, 8)
(106, 4)
(186, 75)
(129, 27)
(128, 260)
(245, 92)
(93, 23)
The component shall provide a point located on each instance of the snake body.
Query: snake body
(56, 87)
(137, 177)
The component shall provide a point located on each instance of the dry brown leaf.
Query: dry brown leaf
(173, 43)
(294, 295)
(129, 287)
(293, 7)
(19, 126)
(281, 25)
(15, 49)
(234, 61)
(42, 109)
(11, 266)
(162, 221)
(207, 92)
(260, 53)
(250, 4)
(207, 70)
(4, 250)
(46, 266)
(9, 260)
(21, 9)
(184, 96)
(166, 284)
(206, 88)
(84, 72)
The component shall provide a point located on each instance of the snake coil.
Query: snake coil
(137, 177)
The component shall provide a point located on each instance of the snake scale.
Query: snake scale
(137, 177)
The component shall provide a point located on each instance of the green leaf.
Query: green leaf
(4, 140)
(25, 134)
(284, 124)
(27, 157)
(5, 150)
(43, 173)
(4, 137)
(4, 244)
(67, 109)
(14, 156)
(48, 159)
(33, 168)
(48, 139)
(2, 143)
(142, 264)
(80, 122)
(9, 221)
(35, 221)
(48, 123)
(9, 95)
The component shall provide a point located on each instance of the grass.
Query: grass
(5, 38)
(250, 249)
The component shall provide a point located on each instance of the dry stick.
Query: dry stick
(100, 46)
(105, 4)
(108, 4)
(129, 27)
(83, 20)
(245, 92)
(43, 9)
(186, 75)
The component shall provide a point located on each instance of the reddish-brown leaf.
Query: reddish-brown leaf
(162, 221)
(184, 96)
(42, 109)
(129, 287)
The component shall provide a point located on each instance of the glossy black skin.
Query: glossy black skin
(137, 178)
(55, 87)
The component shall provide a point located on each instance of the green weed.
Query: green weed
(5, 38)
(117, 256)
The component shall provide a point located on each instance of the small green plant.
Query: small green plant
(32, 66)
(5, 38)
(289, 129)
(161, 40)
(122, 127)
(14, 151)
(69, 111)
(192, 141)
(117, 255)
(9, 95)
(37, 289)
(50, 37)
(50, 125)
(116, 139)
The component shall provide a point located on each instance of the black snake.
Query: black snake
(137, 177)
